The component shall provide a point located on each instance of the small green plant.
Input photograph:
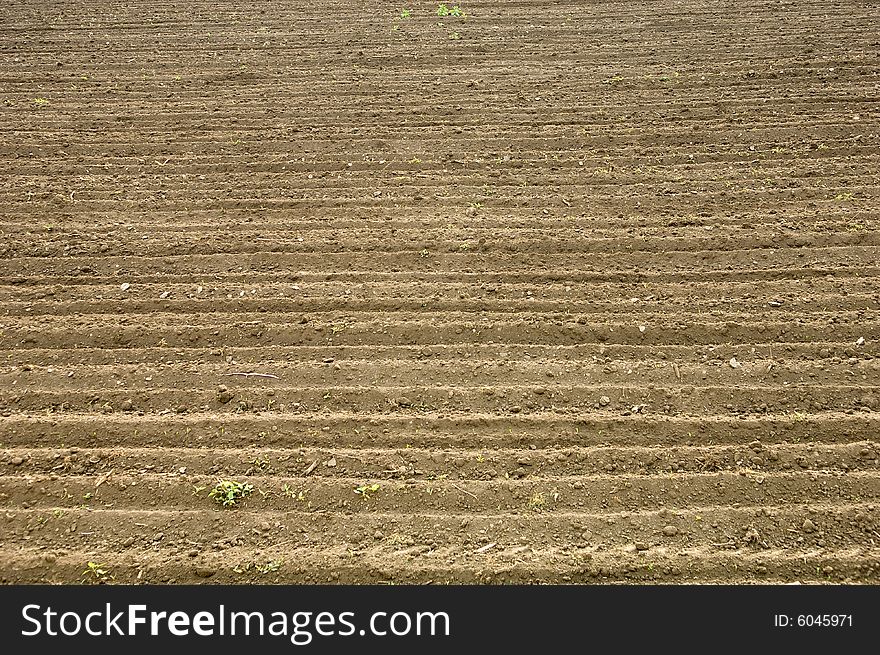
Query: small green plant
(229, 492)
(269, 567)
(843, 196)
(366, 489)
(290, 492)
(538, 501)
(97, 572)
(455, 10)
(40, 102)
(406, 13)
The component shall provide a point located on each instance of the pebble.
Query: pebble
(204, 571)
(377, 535)
(125, 286)
(734, 363)
(164, 294)
(808, 526)
(126, 406)
(641, 545)
(604, 401)
(17, 461)
(670, 531)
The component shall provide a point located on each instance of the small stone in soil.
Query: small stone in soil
(204, 571)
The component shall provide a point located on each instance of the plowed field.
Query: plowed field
(574, 291)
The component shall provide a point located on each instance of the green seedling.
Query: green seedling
(97, 572)
(229, 492)
(455, 10)
(269, 567)
(538, 501)
(366, 489)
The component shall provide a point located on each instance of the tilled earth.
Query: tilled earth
(552, 292)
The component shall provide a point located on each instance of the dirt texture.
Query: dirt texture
(551, 292)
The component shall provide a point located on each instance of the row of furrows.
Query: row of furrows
(592, 127)
(382, 189)
(602, 398)
(783, 247)
(375, 41)
(130, 84)
(817, 200)
(340, 566)
(601, 170)
(455, 106)
(230, 304)
(420, 328)
(772, 247)
(477, 38)
(624, 492)
(791, 255)
(504, 240)
(799, 356)
(671, 235)
(429, 466)
(140, 17)
(580, 163)
(549, 377)
(507, 178)
(273, 221)
(85, 283)
(838, 526)
(278, 268)
(595, 131)
(474, 430)
(122, 94)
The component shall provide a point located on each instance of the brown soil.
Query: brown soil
(571, 291)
